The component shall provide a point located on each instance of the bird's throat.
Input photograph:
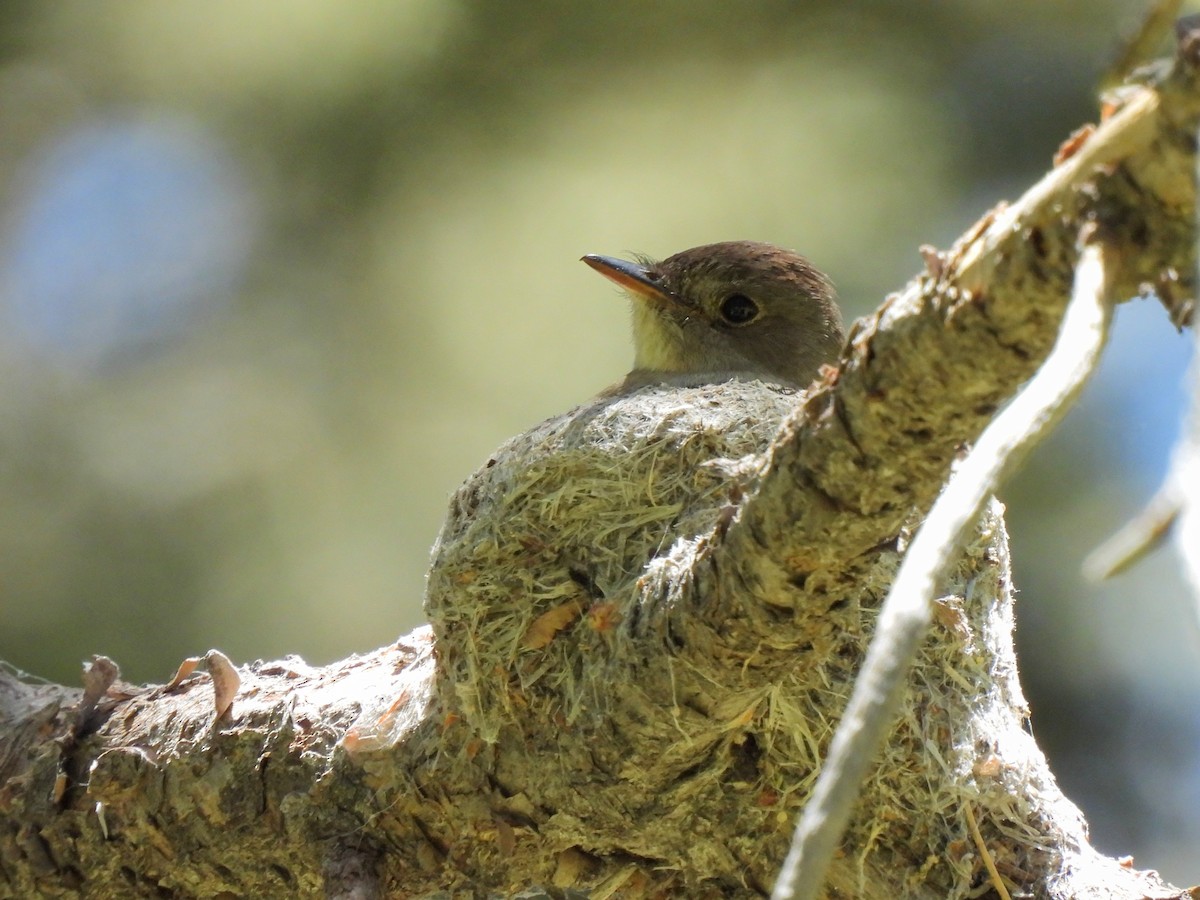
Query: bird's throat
(658, 341)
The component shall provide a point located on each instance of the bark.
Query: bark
(646, 616)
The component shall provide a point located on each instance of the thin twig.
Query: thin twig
(1145, 42)
(906, 612)
(1182, 480)
(1137, 537)
(988, 862)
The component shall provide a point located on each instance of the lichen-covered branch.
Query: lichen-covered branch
(907, 611)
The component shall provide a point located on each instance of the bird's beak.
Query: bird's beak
(633, 278)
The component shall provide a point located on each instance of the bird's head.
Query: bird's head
(737, 308)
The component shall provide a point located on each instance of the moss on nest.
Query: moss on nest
(568, 516)
(698, 756)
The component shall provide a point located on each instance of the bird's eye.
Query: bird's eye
(738, 309)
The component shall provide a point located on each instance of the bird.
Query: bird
(734, 310)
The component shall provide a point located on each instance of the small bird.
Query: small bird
(733, 310)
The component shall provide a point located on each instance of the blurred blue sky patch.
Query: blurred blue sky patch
(124, 231)
(1140, 393)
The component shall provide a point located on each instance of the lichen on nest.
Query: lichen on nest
(566, 517)
(570, 527)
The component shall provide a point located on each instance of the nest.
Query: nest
(567, 517)
(552, 546)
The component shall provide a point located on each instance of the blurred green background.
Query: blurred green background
(276, 276)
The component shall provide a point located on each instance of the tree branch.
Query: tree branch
(908, 609)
